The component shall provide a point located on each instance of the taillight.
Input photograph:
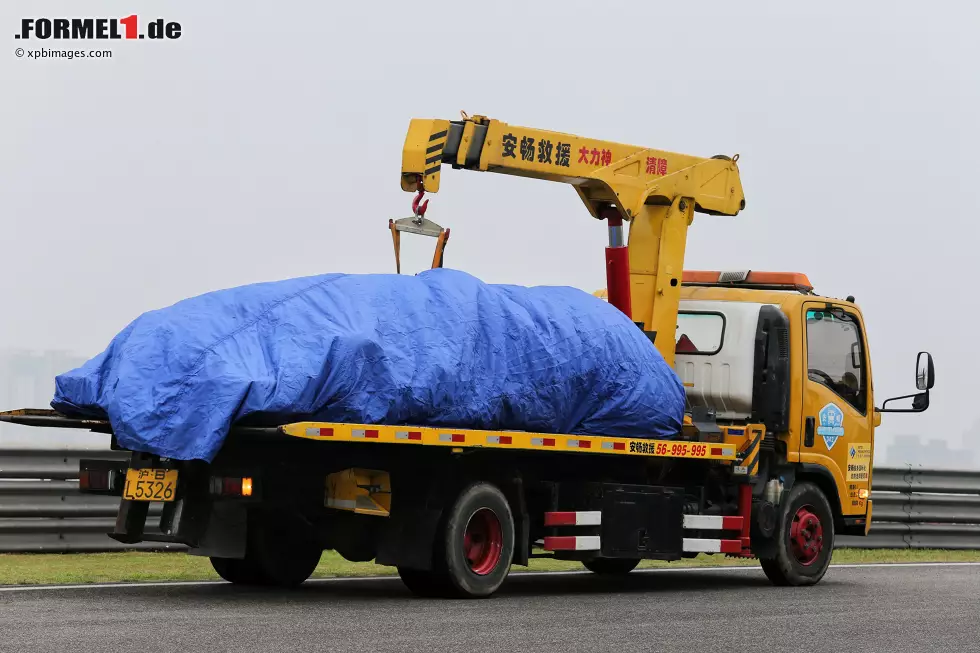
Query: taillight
(93, 479)
(231, 486)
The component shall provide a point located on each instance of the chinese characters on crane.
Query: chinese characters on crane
(546, 151)
(656, 166)
(594, 156)
(562, 154)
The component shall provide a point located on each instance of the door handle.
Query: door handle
(808, 432)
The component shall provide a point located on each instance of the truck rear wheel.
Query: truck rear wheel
(278, 552)
(236, 571)
(611, 566)
(474, 549)
(804, 538)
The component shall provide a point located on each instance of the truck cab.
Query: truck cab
(764, 348)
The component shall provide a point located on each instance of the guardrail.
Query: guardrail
(41, 509)
(922, 509)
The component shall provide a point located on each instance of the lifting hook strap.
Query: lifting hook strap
(396, 239)
(437, 257)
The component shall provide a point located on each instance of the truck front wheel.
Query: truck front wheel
(804, 538)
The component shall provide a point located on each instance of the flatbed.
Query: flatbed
(733, 442)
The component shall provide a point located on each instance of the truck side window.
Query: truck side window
(699, 333)
(835, 355)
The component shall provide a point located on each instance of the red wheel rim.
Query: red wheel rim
(483, 540)
(806, 536)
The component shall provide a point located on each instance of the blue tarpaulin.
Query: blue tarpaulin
(437, 349)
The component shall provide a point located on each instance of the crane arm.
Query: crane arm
(604, 173)
(655, 190)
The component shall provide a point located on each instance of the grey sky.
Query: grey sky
(265, 143)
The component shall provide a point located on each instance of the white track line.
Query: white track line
(350, 579)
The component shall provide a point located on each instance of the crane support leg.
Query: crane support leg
(657, 240)
(617, 264)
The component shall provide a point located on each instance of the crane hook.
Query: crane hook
(419, 211)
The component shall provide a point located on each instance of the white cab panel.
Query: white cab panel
(720, 376)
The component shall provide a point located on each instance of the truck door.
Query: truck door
(837, 412)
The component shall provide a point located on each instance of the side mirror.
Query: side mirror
(925, 373)
(925, 378)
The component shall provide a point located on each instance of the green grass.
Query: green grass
(72, 568)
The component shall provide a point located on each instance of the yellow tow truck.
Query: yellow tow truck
(773, 461)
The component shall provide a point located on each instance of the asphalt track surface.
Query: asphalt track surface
(887, 609)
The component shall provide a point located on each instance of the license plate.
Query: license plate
(150, 484)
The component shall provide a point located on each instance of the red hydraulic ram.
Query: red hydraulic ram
(617, 264)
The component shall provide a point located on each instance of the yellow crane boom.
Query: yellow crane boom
(656, 191)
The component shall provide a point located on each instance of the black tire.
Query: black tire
(279, 552)
(284, 551)
(471, 505)
(427, 584)
(235, 571)
(611, 566)
(482, 510)
(796, 565)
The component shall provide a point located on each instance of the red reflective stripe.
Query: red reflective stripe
(619, 446)
(731, 546)
(716, 451)
(326, 432)
(548, 442)
(459, 437)
(415, 435)
(560, 543)
(731, 523)
(559, 519)
(371, 434)
(584, 444)
(506, 439)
